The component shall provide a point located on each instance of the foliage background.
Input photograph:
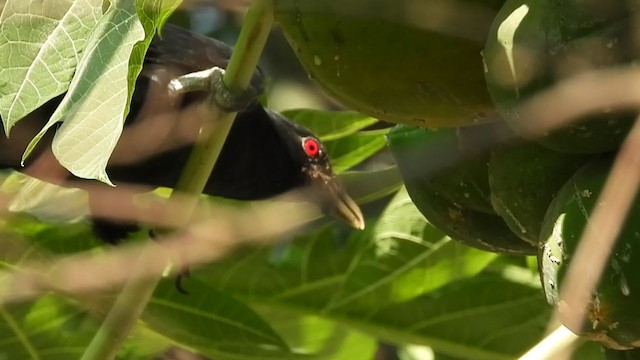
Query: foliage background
(326, 292)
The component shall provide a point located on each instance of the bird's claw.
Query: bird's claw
(211, 80)
(184, 273)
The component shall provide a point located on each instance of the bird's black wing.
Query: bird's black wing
(190, 52)
(254, 163)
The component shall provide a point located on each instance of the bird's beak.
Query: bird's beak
(335, 201)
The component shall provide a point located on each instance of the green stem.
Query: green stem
(137, 292)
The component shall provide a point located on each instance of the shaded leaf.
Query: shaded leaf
(367, 186)
(209, 321)
(45, 329)
(350, 151)
(330, 125)
(305, 271)
(40, 45)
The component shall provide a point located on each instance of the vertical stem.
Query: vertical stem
(238, 75)
(137, 291)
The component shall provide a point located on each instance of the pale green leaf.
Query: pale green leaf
(92, 111)
(40, 45)
(152, 14)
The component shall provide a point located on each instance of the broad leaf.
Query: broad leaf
(45, 329)
(330, 125)
(333, 270)
(40, 45)
(405, 257)
(46, 201)
(208, 320)
(367, 186)
(153, 14)
(350, 151)
(92, 111)
(324, 338)
(485, 317)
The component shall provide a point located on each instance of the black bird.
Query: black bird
(264, 155)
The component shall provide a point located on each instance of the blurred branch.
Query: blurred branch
(214, 233)
(585, 94)
(551, 347)
(602, 231)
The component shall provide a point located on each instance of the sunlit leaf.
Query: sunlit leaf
(41, 43)
(484, 317)
(405, 257)
(324, 338)
(45, 329)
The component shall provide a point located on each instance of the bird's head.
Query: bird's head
(310, 156)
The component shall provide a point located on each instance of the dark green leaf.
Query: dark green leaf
(209, 321)
(350, 151)
(330, 125)
(367, 186)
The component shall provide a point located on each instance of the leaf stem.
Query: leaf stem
(137, 291)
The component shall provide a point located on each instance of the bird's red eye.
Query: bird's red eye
(311, 147)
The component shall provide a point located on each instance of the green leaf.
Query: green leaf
(45, 329)
(484, 317)
(367, 186)
(92, 111)
(152, 14)
(330, 125)
(350, 151)
(144, 344)
(305, 271)
(324, 338)
(209, 321)
(405, 257)
(40, 44)
(332, 271)
(44, 200)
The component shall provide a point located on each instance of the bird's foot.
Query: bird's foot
(184, 273)
(211, 80)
